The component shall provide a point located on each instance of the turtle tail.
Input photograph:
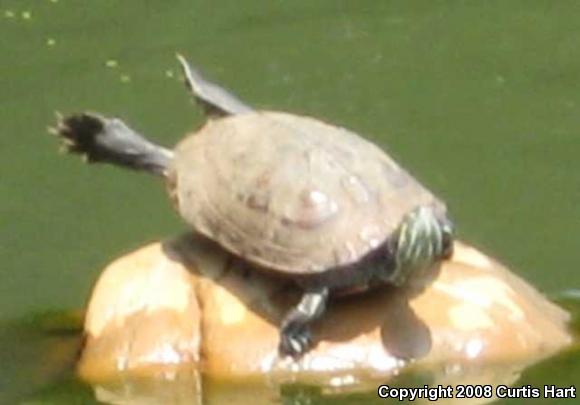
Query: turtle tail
(109, 140)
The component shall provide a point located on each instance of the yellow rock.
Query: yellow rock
(178, 310)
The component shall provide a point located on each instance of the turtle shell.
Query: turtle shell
(291, 193)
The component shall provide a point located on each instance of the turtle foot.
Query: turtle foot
(79, 133)
(295, 334)
(295, 342)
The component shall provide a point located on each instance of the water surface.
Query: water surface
(480, 100)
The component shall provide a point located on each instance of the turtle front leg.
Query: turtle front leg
(295, 334)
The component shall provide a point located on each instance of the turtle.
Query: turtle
(290, 194)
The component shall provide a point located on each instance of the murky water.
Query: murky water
(481, 100)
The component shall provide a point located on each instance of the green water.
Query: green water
(481, 100)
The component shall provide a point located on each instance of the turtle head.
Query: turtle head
(423, 238)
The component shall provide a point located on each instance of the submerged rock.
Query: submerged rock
(172, 312)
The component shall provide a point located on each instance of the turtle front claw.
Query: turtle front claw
(295, 342)
(78, 133)
(295, 334)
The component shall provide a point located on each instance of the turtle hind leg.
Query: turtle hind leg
(295, 334)
(215, 99)
(110, 140)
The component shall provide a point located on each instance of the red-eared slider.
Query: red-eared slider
(291, 194)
